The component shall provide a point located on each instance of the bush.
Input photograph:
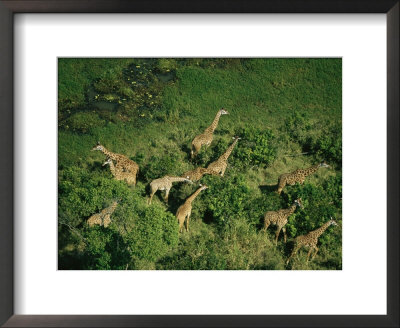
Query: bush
(137, 232)
(227, 198)
(258, 206)
(82, 194)
(170, 162)
(319, 206)
(155, 232)
(255, 148)
(104, 250)
(82, 122)
(297, 128)
(329, 146)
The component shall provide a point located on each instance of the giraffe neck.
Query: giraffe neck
(110, 209)
(178, 179)
(311, 170)
(318, 232)
(214, 124)
(291, 210)
(109, 154)
(191, 198)
(228, 152)
(113, 206)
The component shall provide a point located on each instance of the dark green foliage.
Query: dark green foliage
(169, 163)
(258, 206)
(297, 127)
(136, 232)
(255, 148)
(154, 232)
(227, 198)
(83, 122)
(329, 146)
(104, 250)
(319, 206)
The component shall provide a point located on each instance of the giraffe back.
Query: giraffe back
(196, 174)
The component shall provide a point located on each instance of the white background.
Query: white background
(360, 288)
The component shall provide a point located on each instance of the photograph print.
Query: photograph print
(200, 163)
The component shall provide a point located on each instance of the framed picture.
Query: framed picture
(247, 110)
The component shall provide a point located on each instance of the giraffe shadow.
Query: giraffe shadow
(97, 167)
(208, 217)
(287, 247)
(267, 188)
(186, 149)
(177, 196)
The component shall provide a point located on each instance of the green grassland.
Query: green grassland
(288, 113)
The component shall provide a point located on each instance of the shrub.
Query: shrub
(319, 206)
(82, 122)
(137, 232)
(255, 148)
(227, 198)
(329, 146)
(169, 163)
(104, 250)
(82, 194)
(297, 128)
(258, 206)
(155, 232)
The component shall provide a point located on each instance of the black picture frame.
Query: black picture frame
(11, 7)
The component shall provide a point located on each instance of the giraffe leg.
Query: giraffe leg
(284, 234)
(316, 251)
(181, 224)
(278, 230)
(187, 222)
(166, 195)
(151, 196)
(281, 185)
(223, 171)
(267, 222)
(309, 252)
(195, 151)
(294, 251)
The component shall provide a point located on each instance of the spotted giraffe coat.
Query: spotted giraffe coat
(298, 176)
(280, 219)
(310, 240)
(185, 210)
(219, 166)
(104, 217)
(164, 183)
(123, 163)
(207, 136)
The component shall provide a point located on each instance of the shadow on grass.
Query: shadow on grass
(267, 188)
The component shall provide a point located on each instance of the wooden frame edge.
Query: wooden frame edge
(9, 8)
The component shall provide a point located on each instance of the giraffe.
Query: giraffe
(164, 183)
(219, 166)
(196, 174)
(207, 136)
(184, 211)
(310, 240)
(119, 174)
(122, 162)
(280, 218)
(298, 175)
(103, 218)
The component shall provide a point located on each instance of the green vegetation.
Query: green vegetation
(287, 113)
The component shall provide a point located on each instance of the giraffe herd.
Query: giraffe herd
(127, 170)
